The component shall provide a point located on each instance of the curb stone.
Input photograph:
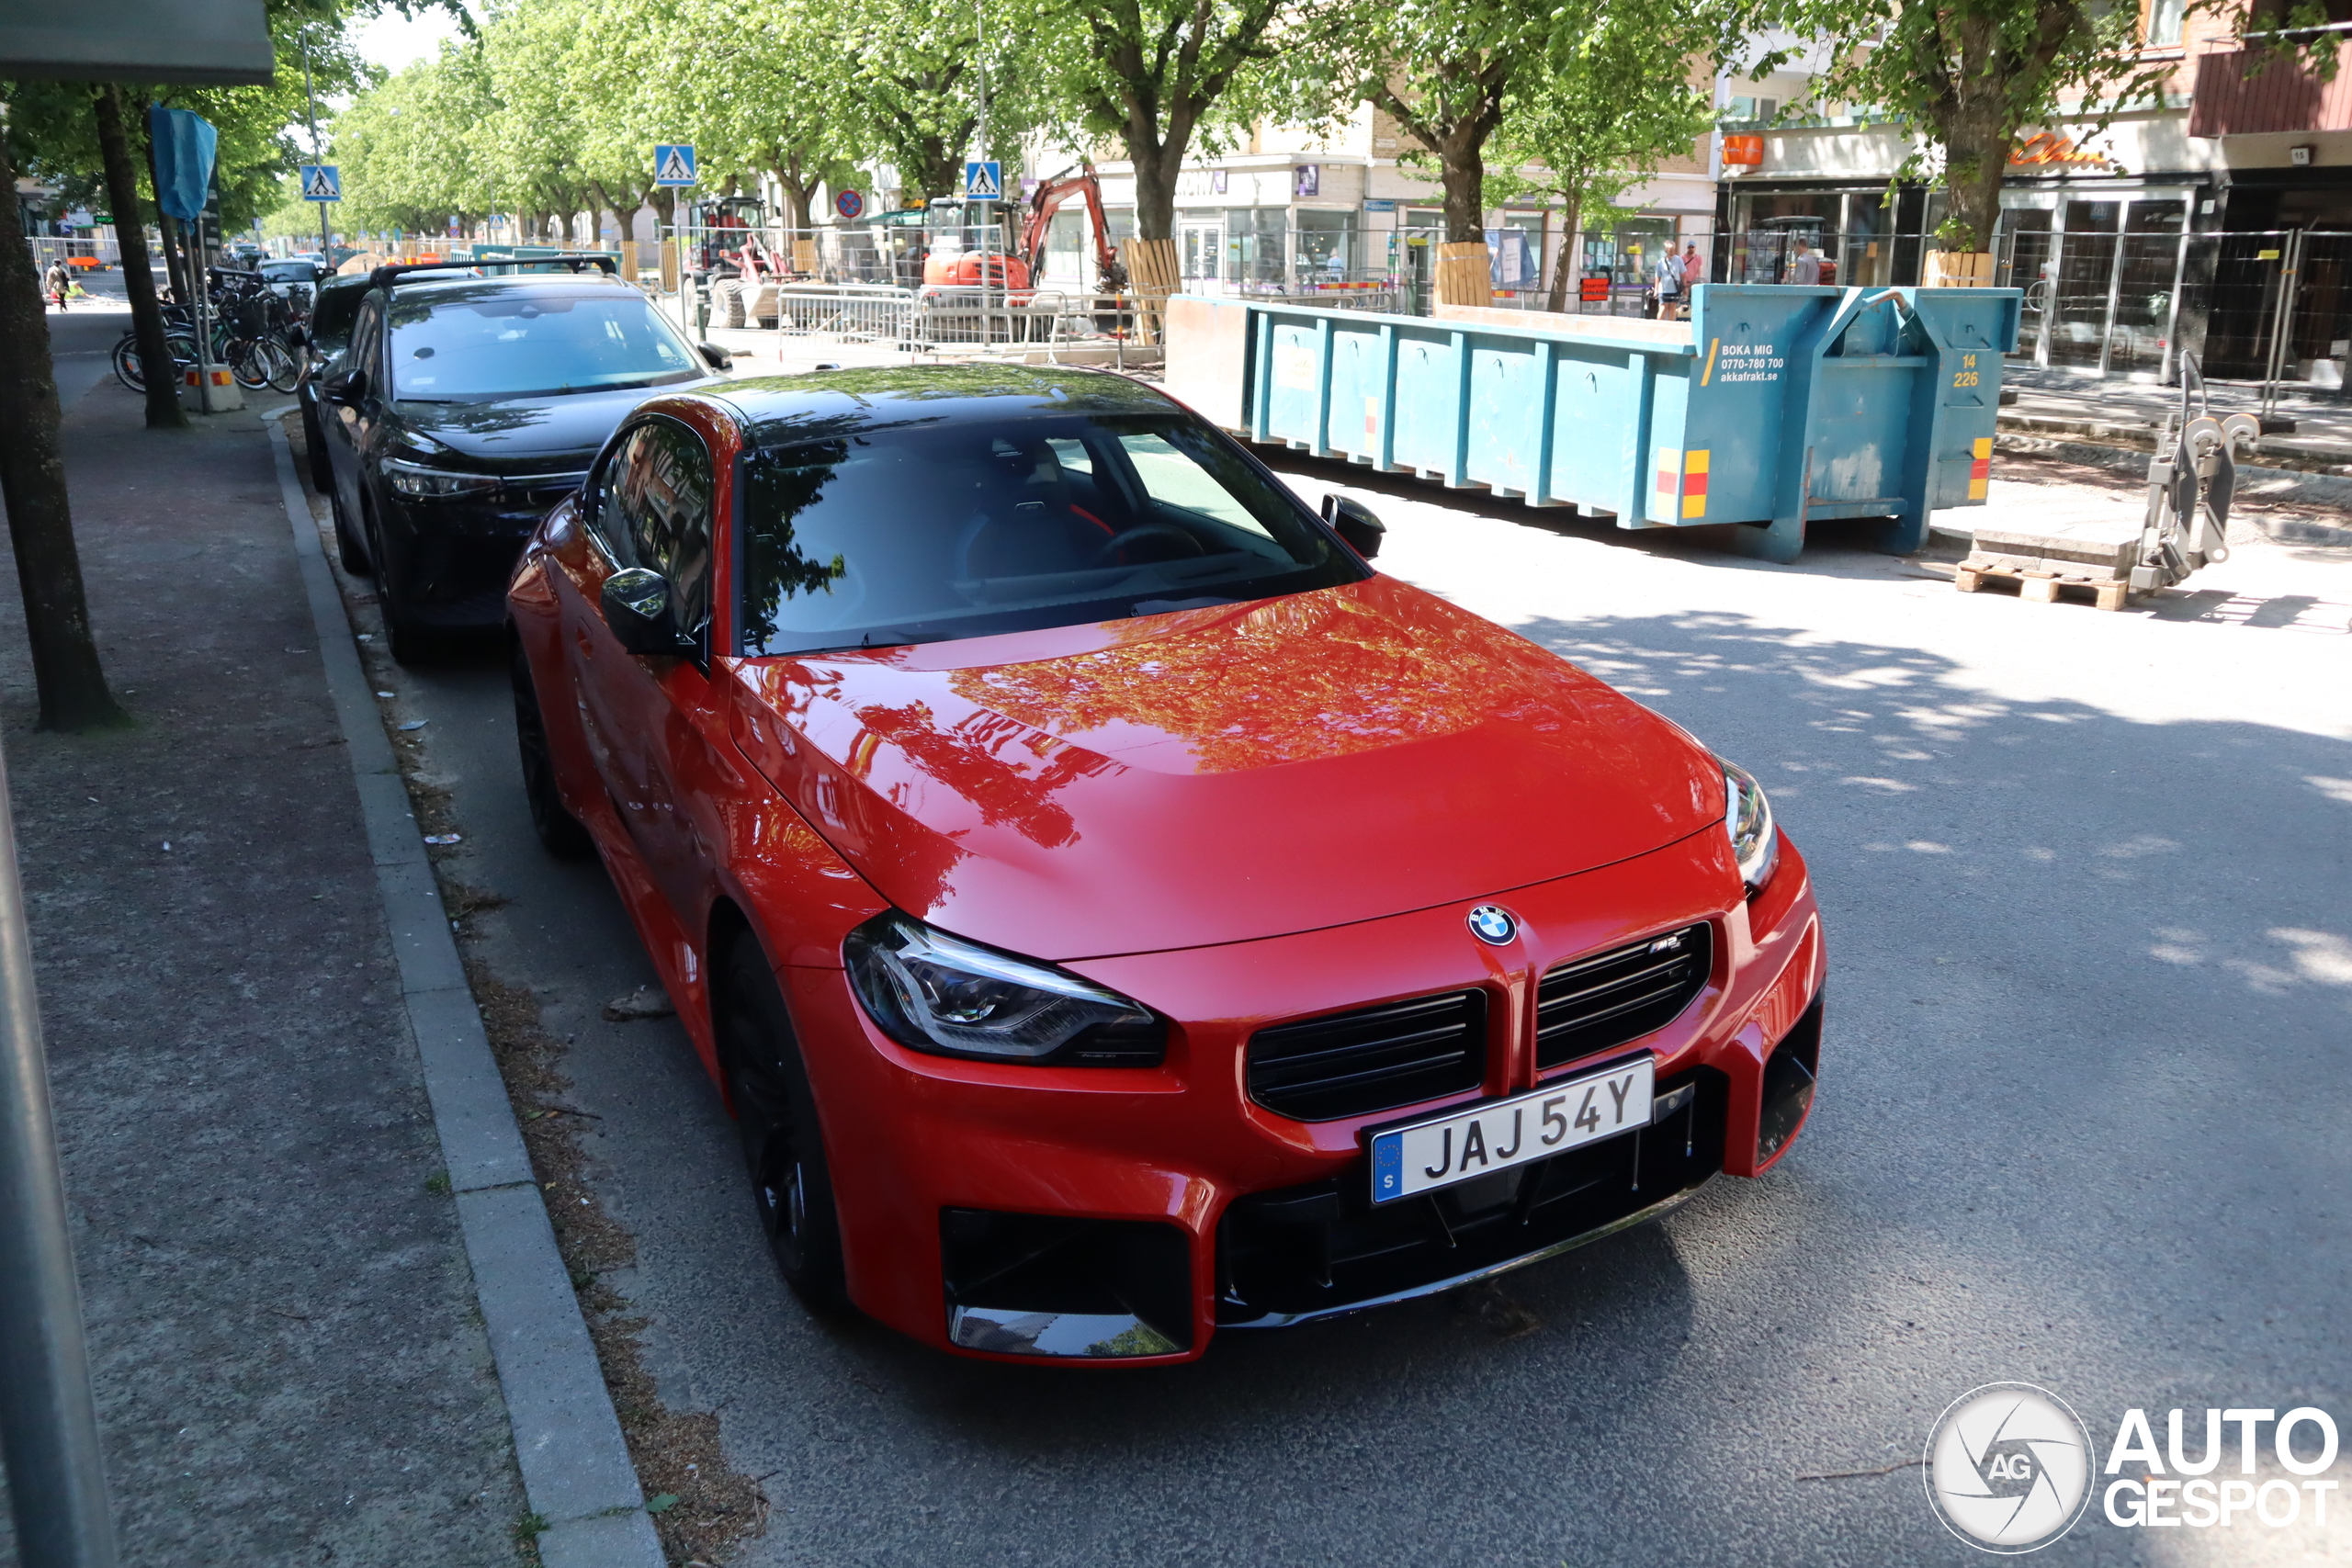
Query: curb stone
(575, 1465)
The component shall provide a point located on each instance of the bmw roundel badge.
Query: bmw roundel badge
(1493, 924)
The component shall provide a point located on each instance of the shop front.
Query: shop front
(2101, 265)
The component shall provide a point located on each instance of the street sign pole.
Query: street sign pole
(326, 243)
(49, 1422)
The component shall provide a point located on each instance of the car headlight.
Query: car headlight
(421, 483)
(938, 993)
(1748, 817)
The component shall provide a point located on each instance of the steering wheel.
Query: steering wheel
(1117, 542)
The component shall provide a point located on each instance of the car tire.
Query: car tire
(559, 832)
(348, 548)
(728, 295)
(775, 1117)
(407, 642)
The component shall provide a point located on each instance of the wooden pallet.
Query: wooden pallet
(2040, 584)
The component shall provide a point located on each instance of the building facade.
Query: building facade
(2215, 222)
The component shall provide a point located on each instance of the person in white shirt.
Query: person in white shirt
(1668, 291)
(1805, 267)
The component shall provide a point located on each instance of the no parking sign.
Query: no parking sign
(849, 204)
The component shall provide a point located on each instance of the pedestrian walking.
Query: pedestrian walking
(57, 283)
(1666, 290)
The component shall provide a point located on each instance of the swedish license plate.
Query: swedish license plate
(1464, 1145)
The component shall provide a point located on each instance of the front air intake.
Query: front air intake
(1377, 1058)
(1608, 1000)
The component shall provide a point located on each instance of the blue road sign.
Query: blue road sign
(984, 181)
(322, 182)
(849, 204)
(674, 163)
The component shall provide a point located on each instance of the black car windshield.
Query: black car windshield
(497, 341)
(928, 533)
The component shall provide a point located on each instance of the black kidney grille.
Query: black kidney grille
(1597, 1003)
(1352, 1064)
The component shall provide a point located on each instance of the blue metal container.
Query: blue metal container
(1784, 403)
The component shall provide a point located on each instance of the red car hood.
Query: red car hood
(1217, 775)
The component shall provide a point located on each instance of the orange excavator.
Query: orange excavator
(960, 255)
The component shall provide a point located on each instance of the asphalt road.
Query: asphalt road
(2081, 1121)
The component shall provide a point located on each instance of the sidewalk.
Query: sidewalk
(2051, 402)
(289, 1352)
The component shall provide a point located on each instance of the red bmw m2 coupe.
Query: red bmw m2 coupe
(1114, 912)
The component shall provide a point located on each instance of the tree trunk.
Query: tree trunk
(72, 686)
(1462, 163)
(1156, 169)
(138, 276)
(1565, 270)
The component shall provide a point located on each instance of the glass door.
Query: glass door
(2148, 278)
(2025, 256)
(1198, 246)
(2084, 285)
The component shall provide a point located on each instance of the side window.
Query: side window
(363, 337)
(608, 517)
(654, 511)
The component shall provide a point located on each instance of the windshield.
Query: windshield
(927, 534)
(498, 341)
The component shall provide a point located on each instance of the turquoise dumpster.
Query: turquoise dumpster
(1773, 407)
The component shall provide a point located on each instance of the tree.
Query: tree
(1611, 99)
(1974, 75)
(155, 365)
(71, 684)
(1443, 70)
(1158, 73)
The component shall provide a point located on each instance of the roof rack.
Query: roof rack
(391, 272)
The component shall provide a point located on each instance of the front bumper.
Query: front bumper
(1125, 1215)
(452, 558)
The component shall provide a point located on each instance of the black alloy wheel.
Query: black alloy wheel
(775, 1117)
(559, 830)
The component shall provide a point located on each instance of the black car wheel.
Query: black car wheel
(348, 548)
(410, 643)
(559, 830)
(776, 1118)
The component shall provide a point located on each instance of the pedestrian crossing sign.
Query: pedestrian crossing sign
(984, 181)
(322, 182)
(674, 163)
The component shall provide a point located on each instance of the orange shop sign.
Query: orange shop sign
(1747, 151)
(2050, 148)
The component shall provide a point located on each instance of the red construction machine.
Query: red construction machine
(971, 246)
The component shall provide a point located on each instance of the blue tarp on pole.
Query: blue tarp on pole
(185, 143)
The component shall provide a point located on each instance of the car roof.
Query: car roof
(460, 276)
(775, 410)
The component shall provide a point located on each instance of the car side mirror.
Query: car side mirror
(638, 609)
(346, 388)
(719, 358)
(1355, 525)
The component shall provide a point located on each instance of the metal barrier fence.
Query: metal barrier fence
(99, 250)
(1022, 324)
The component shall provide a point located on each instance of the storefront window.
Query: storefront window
(1326, 247)
(2023, 263)
(1256, 257)
(2085, 273)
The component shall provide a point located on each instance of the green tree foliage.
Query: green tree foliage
(1159, 75)
(1974, 77)
(1613, 97)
